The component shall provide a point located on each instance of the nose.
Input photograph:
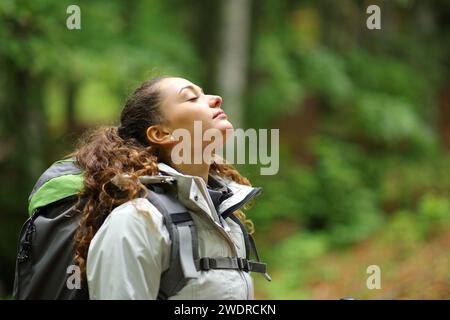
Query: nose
(215, 101)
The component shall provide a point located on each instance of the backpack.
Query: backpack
(45, 263)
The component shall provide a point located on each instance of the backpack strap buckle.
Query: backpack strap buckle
(243, 264)
(204, 264)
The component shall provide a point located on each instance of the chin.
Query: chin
(223, 130)
(226, 129)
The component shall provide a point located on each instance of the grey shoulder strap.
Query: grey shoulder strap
(184, 249)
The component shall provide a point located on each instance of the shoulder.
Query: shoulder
(135, 211)
(137, 218)
(128, 253)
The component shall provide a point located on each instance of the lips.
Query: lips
(218, 113)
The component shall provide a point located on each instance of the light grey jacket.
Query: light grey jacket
(131, 249)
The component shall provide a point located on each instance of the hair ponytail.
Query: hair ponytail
(102, 155)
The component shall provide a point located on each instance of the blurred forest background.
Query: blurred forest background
(364, 119)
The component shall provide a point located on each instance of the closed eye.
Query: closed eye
(193, 99)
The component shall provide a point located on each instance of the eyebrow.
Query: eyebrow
(190, 87)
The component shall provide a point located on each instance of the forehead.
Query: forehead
(172, 86)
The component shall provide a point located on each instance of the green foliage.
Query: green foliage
(301, 248)
(324, 74)
(389, 121)
(278, 88)
(293, 256)
(409, 229)
(434, 213)
(331, 197)
(390, 76)
(377, 170)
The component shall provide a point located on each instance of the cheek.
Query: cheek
(185, 117)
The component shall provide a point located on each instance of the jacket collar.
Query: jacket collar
(192, 191)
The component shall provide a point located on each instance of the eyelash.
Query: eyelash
(193, 99)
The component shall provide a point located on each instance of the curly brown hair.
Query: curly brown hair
(108, 151)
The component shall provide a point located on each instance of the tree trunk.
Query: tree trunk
(24, 121)
(206, 31)
(22, 151)
(233, 64)
(71, 93)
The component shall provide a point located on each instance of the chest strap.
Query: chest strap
(233, 263)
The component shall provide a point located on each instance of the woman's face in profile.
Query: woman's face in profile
(184, 102)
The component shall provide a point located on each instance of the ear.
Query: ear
(160, 135)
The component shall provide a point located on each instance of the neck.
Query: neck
(199, 170)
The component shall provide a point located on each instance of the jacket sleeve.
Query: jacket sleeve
(128, 253)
